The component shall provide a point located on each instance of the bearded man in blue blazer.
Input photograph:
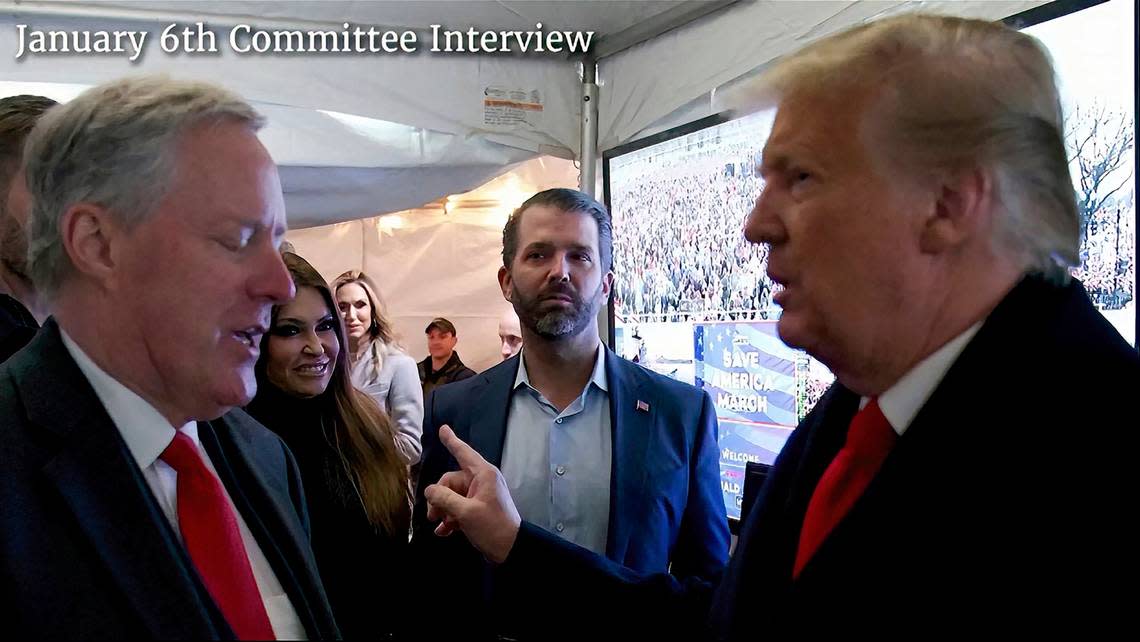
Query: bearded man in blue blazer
(596, 450)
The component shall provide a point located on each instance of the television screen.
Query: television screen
(691, 298)
(1093, 50)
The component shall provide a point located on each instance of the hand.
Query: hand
(475, 500)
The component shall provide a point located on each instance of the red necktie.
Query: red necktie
(211, 536)
(869, 440)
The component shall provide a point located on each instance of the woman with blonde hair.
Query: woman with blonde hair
(355, 482)
(379, 367)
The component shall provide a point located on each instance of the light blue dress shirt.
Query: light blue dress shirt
(557, 465)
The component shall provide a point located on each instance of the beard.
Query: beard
(559, 322)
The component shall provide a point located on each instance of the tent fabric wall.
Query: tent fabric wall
(355, 135)
(429, 263)
(680, 70)
(336, 167)
(442, 93)
(316, 196)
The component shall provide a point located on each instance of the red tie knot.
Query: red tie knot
(181, 454)
(870, 434)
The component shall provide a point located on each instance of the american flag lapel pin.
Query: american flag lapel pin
(642, 406)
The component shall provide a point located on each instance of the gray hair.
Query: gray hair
(113, 146)
(956, 94)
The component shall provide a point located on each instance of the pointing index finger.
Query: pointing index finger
(469, 460)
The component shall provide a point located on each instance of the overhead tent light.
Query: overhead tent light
(386, 223)
(494, 201)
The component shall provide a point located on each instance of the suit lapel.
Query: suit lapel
(489, 412)
(633, 410)
(111, 502)
(827, 432)
(924, 439)
(929, 434)
(281, 540)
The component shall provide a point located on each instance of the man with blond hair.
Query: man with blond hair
(136, 502)
(921, 222)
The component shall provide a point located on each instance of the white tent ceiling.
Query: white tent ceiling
(358, 135)
(647, 83)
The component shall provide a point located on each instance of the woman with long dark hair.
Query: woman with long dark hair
(356, 484)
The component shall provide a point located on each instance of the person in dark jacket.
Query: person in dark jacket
(138, 500)
(972, 466)
(355, 481)
(19, 303)
(442, 364)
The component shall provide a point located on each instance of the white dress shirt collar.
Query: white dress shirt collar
(146, 432)
(901, 402)
(597, 377)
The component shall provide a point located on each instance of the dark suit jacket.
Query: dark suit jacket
(17, 326)
(452, 371)
(666, 505)
(86, 549)
(1007, 503)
